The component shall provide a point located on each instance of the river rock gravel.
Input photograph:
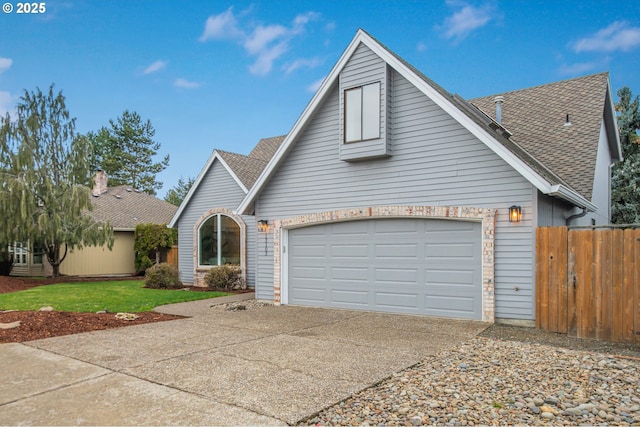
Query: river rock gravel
(487, 381)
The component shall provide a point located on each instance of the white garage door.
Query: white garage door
(418, 266)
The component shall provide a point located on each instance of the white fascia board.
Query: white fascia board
(300, 124)
(214, 156)
(571, 196)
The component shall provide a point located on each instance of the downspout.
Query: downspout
(576, 216)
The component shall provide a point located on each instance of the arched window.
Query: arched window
(219, 241)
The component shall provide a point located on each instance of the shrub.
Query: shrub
(6, 263)
(225, 278)
(162, 276)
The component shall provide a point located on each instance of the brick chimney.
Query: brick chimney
(99, 183)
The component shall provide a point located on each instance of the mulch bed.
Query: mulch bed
(45, 324)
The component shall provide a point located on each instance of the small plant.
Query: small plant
(6, 263)
(225, 278)
(162, 276)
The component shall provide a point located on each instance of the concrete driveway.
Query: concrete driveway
(271, 365)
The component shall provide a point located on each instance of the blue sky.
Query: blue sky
(217, 74)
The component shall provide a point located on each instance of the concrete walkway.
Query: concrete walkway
(267, 366)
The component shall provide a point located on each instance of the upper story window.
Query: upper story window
(362, 113)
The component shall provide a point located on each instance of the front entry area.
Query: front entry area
(399, 265)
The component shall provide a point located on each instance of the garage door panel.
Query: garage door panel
(303, 273)
(410, 228)
(452, 277)
(393, 275)
(358, 274)
(310, 250)
(408, 302)
(349, 250)
(450, 250)
(310, 295)
(447, 304)
(420, 266)
(396, 250)
(350, 298)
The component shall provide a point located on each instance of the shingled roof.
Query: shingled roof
(248, 168)
(536, 117)
(125, 207)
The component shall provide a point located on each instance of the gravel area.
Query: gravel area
(504, 378)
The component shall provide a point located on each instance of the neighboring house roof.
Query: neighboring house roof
(493, 135)
(245, 170)
(125, 207)
(536, 117)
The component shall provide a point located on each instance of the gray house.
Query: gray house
(391, 194)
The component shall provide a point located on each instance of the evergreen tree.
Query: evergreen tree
(625, 181)
(125, 151)
(45, 175)
(176, 195)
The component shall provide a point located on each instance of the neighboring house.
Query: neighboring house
(124, 207)
(391, 194)
(210, 233)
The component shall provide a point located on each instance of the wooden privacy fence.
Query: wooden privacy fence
(588, 282)
(172, 256)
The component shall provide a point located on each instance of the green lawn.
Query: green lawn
(116, 296)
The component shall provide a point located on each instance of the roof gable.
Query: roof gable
(531, 168)
(125, 208)
(243, 169)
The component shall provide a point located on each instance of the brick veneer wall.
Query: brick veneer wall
(485, 215)
(199, 271)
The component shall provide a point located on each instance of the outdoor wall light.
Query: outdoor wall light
(263, 225)
(515, 213)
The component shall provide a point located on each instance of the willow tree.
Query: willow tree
(45, 176)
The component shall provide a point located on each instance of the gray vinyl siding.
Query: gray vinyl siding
(553, 212)
(217, 189)
(435, 162)
(601, 196)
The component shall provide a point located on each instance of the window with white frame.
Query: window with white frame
(219, 241)
(19, 252)
(362, 113)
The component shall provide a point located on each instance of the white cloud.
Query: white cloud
(185, 84)
(421, 46)
(221, 26)
(261, 37)
(309, 63)
(156, 66)
(7, 104)
(266, 43)
(5, 64)
(465, 20)
(617, 36)
(313, 87)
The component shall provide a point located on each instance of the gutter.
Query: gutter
(570, 196)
